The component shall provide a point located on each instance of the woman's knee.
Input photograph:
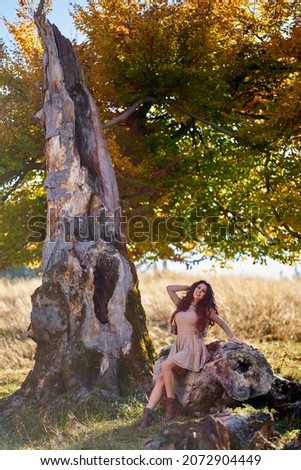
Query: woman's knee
(167, 365)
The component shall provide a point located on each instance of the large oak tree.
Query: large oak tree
(201, 108)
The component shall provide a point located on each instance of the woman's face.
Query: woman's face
(200, 292)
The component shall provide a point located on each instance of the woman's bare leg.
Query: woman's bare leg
(169, 378)
(156, 393)
(165, 380)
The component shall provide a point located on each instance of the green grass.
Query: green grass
(10, 382)
(108, 428)
(110, 425)
(284, 357)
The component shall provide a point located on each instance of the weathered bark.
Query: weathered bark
(284, 397)
(235, 374)
(222, 431)
(87, 317)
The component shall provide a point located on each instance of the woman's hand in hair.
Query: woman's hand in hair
(172, 292)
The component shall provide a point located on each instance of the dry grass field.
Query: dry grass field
(264, 313)
(16, 348)
(259, 311)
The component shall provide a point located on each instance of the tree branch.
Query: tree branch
(292, 232)
(41, 7)
(18, 176)
(212, 124)
(33, 165)
(253, 116)
(126, 114)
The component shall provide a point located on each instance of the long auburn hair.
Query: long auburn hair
(202, 307)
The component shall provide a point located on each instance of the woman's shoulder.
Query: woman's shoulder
(212, 313)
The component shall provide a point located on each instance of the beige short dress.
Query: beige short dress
(189, 350)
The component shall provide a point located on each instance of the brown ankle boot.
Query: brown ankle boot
(172, 409)
(147, 418)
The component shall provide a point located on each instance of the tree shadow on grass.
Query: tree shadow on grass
(106, 425)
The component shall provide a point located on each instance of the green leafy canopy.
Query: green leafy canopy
(208, 161)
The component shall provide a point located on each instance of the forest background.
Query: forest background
(208, 161)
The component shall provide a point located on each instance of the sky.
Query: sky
(273, 269)
(61, 17)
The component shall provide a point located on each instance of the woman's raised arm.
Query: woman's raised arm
(172, 292)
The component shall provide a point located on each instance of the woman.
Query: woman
(194, 314)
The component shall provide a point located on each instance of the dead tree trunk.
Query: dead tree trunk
(87, 317)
